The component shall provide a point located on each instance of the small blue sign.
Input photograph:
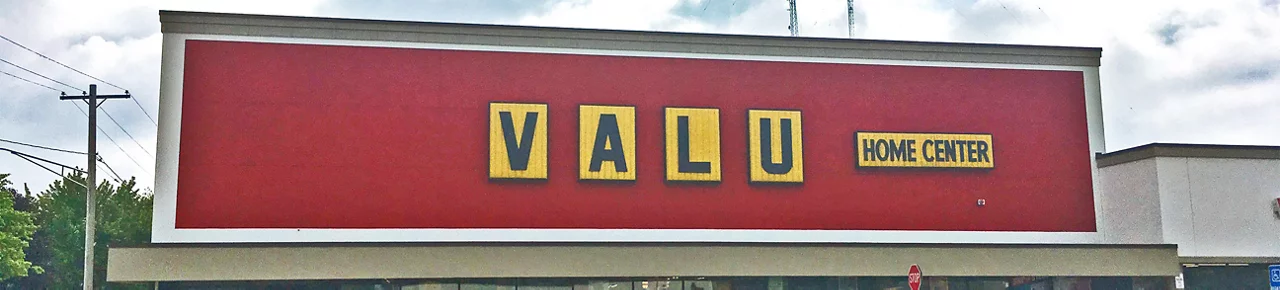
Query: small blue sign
(1275, 276)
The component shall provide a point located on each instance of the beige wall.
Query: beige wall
(391, 261)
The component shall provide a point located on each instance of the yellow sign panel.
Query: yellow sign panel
(936, 150)
(693, 144)
(775, 146)
(517, 141)
(606, 142)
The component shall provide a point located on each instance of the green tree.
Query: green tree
(123, 218)
(16, 228)
(37, 252)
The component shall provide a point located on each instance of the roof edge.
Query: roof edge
(1186, 150)
(631, 244)
(462, 33)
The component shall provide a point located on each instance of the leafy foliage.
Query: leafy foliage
(16, 229)
(123, 218)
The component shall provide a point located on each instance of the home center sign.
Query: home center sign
(429, 142)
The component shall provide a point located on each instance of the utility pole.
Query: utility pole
(850, 18)
(795, 25)
(90, 204)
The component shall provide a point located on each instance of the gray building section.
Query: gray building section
(1220, 204)
(524, 36)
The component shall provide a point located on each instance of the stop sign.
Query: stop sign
(914, 276)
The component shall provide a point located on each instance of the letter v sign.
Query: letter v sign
(517, 141)
(517, 153)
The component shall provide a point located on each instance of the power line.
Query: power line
(29, 81)
(113, 171)
(135, 100)
(126, 133)
(1050, 20)
(104, 132)
(1015, 16)
(144, 111)
(25, 155)
(39, 75)
(113, 175)
(59, 63)
(113, 141)
(29, 157)
(41, 147)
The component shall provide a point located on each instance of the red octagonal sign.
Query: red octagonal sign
(914, 276)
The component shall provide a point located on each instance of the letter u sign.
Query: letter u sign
(776, 147)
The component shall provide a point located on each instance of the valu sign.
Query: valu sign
(607, 150)
(681, 145)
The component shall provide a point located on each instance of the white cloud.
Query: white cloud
(903, 20)
(631, 15)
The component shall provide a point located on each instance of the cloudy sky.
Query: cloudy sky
(1172, 70)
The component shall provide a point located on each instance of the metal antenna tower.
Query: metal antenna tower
(850, 18)
(795, 25)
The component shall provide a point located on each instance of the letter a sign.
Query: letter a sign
(914, 276)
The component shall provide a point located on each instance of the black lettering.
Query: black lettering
(982, 151)
(766, 147)
(899, 150)
(893, 151)
(868, 150)
(881, 153)
(607, 134)
(939, 151)
(911, 150)
(682, 147)
(970, 150)
(950, 150)
(928, 144)
(518, 152)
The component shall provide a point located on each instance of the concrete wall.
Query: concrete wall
(1130, 203)
(1209, 207)
(1219, 207)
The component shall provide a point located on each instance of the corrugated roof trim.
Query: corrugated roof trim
(1188, 150)
(577, 38)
